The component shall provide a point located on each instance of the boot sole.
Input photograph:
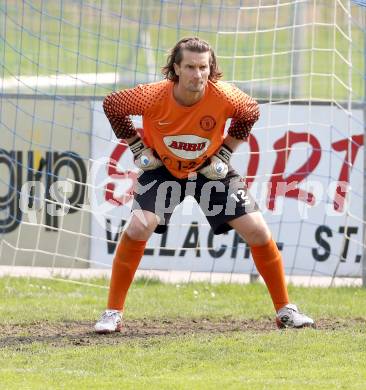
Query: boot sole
(281, 325)
(107, 331)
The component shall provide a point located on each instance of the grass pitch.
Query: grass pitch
(188, 336)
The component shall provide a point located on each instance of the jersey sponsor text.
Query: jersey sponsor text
(187, 146)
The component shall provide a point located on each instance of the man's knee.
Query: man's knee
(258, 236)
(141, 225)
(252, 228)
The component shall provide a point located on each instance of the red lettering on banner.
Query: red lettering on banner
(345, 145)
(281, 186)
(114, 173)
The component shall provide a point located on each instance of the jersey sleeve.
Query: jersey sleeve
(245, 112)
(118, 106)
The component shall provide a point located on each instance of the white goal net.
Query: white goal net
(65, 181)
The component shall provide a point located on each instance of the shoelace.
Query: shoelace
(107, 315)
(293, 309)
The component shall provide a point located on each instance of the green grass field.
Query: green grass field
(188, 336)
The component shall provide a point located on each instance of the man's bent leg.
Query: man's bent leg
(126, 260)
(267, 258)
(268, 261)
(125, 263)
(128, 256)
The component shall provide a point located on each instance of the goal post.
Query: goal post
(66, 182)
(364, 166)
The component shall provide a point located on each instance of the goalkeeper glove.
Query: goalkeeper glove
(218, 167)
(143, 156)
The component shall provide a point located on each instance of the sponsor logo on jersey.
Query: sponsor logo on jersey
(187, 146)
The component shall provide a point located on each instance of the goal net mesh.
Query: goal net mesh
(65, 181)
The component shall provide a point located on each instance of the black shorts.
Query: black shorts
(221, 201)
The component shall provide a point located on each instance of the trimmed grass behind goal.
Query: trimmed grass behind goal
(194, 336)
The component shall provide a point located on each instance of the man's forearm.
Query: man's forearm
(232, 142)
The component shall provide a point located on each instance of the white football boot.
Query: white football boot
(290, 317)
(110, 321)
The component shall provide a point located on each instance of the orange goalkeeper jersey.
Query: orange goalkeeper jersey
(183, 137)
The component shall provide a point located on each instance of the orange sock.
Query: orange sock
(125, 263)
(267, 259)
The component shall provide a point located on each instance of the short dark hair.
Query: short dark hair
(194, 44)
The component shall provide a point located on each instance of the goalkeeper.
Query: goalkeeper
(183, 143)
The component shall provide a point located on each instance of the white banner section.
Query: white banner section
(304, 165)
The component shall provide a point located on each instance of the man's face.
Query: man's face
(193, 71)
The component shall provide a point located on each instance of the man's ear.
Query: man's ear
(176, 69)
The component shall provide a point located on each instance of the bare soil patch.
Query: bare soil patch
(80, 333)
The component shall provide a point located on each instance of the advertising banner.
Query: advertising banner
(304, 167)
(44, 154)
